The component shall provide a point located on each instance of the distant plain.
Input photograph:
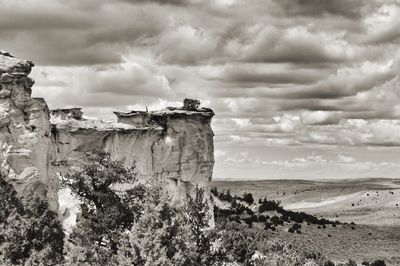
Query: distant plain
(373, 204)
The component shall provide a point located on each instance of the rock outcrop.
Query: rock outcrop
(25, 133)
(174, 144)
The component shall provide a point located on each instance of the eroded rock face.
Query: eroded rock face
(174, 144)
(25, 135)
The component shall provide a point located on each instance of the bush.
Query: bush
(248, 198)
(351, 263)
(105, 213)
(268, 205)
(29, 231)
(378, 263)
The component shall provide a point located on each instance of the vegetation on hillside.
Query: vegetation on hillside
(125, 221)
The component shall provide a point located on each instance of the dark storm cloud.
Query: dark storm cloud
(286, 72)
(24, 20)
(162, 2)
(337, 87)
(295, 46)
(350, 9)
(69, 33)
(256, 75)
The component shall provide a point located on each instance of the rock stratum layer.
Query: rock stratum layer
(174, 144)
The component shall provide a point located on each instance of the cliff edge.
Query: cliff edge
(25, 132)
(36, 145)
(174, 145)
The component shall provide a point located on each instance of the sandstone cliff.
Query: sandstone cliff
(174, 144)
(25, 135)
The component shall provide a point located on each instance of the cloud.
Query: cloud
(382, 26)
(186, 45)
(129, 78)
(313, 163)
(162, 2)
(320, 117)
(251, 75)
(67, 33)
(135, 80)
(295, 44)
(351, 9)
(299, 73)
(345, 159)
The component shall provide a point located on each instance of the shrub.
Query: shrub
(29, 231)
(378, 263)
(248, 198)
(276, 220)
(105, 213)
(351, 263)
(268, 205)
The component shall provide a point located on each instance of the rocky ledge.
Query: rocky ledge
(13, 70)
(37, 145)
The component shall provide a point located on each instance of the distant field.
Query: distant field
(370, 203)
(364, 201)
(365, 243)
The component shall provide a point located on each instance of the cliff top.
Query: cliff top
(11, 65)
(166, 111)
(14, 70)
(72, 118)
(190, 107)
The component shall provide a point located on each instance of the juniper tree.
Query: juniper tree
(106, 212)
(29, 231)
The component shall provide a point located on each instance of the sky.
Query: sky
(300, 88)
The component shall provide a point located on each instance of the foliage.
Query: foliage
(378, 263)
(248, 198)
(137, 226)
(161, 236)
(106, 213)
(268, 205)
(127, 222)
(198, 215)
(239, 242)
(252, 247)
(30, 232)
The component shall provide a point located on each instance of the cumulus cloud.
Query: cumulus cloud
(296, 44)
(382, 26)
(320, 117)
(129, 78)
(302, 73)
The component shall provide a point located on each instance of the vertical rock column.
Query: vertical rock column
(25, 137)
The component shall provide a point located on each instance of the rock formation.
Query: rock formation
(174, 144)
(25, 132)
